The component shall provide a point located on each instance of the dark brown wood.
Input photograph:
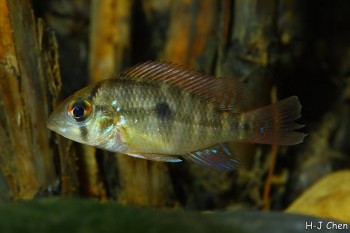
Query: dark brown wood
(27, 70)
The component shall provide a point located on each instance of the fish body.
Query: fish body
(161, 111)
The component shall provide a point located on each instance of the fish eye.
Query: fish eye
(79, 109)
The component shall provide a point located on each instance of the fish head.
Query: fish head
(80, 119)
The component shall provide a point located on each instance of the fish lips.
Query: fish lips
(56, 122)
(60, 123)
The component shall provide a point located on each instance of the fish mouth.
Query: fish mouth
(51, 122)
(53, 125)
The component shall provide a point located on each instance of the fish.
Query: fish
(167, 112)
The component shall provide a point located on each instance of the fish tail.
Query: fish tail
(273, 124)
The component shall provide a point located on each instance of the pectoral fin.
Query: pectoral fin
(217, 157)
(156, 157)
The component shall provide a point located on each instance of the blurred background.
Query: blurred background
(279, 48)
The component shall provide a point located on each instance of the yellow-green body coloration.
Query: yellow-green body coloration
(162, 111)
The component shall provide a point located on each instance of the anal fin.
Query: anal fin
(156, 157)
(217, 157)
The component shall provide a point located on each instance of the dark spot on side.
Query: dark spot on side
(245, 126)
(94, 90)
(83, 133)
(163, 111)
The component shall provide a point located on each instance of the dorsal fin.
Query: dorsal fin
(224, 93)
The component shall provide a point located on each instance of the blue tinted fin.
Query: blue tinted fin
(218, 157)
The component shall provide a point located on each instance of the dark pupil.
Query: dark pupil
(78, 111)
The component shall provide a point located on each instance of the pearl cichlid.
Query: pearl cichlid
(164, 112)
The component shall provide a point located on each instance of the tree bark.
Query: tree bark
(30, 82)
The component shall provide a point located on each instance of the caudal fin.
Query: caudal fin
(273, 124)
